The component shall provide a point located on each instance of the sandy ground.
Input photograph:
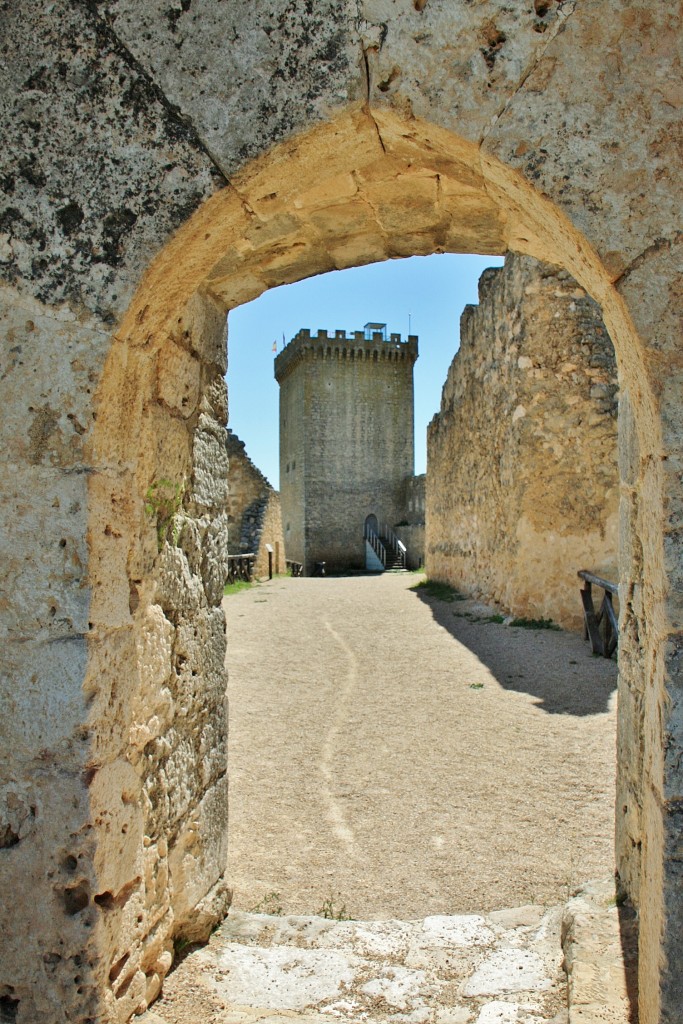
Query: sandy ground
(394, 755)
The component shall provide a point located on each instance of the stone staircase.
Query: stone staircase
(395, 562)
(384, 552)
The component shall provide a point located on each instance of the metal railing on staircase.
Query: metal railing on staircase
(386, 545)
(376, 544)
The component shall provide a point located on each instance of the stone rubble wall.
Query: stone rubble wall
(522, 481)
(169, 776)
(254, 515)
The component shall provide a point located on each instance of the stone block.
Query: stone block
(45, 711)
(44, 553)
(209, 489)
(199, 854)
(178, 379)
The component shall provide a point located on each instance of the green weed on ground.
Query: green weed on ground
(234, 588)
(271, 904)
(534, 624)
(441, 591)
(332, 912)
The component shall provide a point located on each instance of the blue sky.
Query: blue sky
(430, 290)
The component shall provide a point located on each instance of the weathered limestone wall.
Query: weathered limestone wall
(113, 806)
(254, 515)
(152, 152)
(522, 479)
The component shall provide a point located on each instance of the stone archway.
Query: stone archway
(289, 216)
(304, 141)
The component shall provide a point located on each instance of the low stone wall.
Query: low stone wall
(411, 529)
(413, 536)
(522, 484)
(254, 516)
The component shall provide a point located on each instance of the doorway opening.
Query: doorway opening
(457, 200)
(309, 814)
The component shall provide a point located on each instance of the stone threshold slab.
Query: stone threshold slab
(570, 964)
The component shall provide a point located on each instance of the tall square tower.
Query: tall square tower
(346, 440)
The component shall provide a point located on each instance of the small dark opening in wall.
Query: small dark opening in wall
(8, 837)
(76, 899)
(9, 1008)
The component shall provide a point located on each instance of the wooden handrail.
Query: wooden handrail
(590, 577)
(603, 642)
(241, 567)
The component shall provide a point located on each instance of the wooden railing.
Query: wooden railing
(240, 567)
(601, 628)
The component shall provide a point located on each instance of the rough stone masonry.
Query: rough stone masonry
(161, 164)
(522, 482)
(254, 515)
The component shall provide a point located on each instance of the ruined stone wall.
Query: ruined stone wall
(254, 515)
(353, 431)
(152, 153)
(522, 457)
(411, 528)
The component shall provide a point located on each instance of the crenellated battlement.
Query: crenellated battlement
(366, 345)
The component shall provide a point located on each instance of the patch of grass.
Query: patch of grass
(163, 499)
(269, 904)
(441, 591)
(331, 912)
(534, 624)
(493, 618)
(476, 686)
(234, 588)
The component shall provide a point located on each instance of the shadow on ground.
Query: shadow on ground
(554, 666)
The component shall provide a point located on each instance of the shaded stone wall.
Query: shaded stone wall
(522, 483)
(254, 516)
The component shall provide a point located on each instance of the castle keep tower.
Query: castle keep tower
(346, 440)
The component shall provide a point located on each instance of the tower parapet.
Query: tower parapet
(367, 344)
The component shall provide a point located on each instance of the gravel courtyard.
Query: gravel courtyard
(396, 755)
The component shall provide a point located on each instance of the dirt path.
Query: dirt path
(399, 756)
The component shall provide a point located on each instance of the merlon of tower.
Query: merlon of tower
(372, 343)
